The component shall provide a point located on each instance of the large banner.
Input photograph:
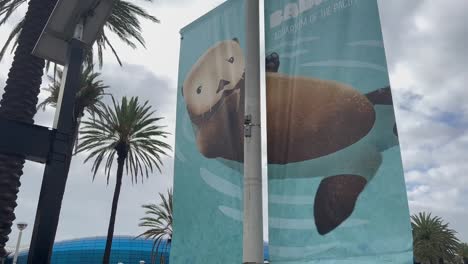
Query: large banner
(336, 187)
(209, 139)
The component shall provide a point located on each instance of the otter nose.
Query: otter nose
(221, 85)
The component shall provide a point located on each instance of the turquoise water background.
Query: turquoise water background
(207, 193)
(338, 40)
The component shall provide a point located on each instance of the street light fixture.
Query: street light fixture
(55, 39)
(21, 227)
(72, 27)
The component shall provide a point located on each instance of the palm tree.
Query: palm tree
(463, 252)
(88, 99)
(19, 102)
(433, 241)
(129, 132)
(158, 220)
(25, 77)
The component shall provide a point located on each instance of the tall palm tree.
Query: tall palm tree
(433, 241)
(19, 102)
(129, 132)
(88, 99)
(25, 76)
(158, 220)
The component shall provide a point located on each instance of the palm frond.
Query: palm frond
(89, 97)
(13, 36)
(432, 239)
(124, 22)
(125, 124)
(158, 221)
(463, 252)
(7, 8)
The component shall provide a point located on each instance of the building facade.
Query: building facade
(125, 250)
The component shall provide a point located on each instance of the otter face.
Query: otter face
(213, 76)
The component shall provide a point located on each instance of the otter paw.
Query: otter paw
(272, 62)
(382, 96)
(335, 200)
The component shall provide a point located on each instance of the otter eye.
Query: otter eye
(231, 60)
(199, 90)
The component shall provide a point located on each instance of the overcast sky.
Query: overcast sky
(426, 44)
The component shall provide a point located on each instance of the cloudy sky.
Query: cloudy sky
(426, 46)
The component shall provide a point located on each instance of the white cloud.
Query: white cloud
(424, 43)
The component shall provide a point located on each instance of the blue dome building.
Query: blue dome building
(125, 250)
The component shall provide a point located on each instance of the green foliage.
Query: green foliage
(433, 240)
(158, 221)
(463, 252)
(89, 97)
(129, 126)
(124, 22)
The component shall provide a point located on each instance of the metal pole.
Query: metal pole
(58, 165)
(253, 220)
(15, 259)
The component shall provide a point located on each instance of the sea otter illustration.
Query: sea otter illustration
(307, 119)
(214, 94)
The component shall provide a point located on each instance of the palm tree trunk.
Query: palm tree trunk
(19, 103)
(76, 124)
(115, 201)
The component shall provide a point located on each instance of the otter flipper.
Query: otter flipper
(382, 96)
(335, 200)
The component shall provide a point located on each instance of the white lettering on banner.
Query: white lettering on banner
(292, 10)
(276, 19)
(305, 5)
(294, 28)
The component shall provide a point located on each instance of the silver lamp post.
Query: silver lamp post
(72, 27)
(253, 220)
(21, 227)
